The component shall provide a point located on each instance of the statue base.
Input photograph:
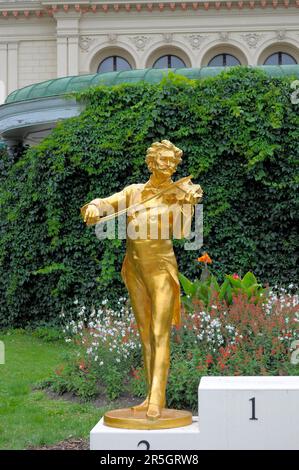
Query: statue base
(236, 413)
(126, 418)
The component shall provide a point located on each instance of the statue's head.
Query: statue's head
(163, 157)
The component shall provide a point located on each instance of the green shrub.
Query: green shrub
(231, 286)
(72, 379)
(114, 383)
(239, 132)
(48, 334)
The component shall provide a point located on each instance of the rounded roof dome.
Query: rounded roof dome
(61, 86)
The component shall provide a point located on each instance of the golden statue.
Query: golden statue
(150, 274)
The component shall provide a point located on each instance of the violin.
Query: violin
(183, 191)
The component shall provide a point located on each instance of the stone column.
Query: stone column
(73, 55)
(3, 72)
(67, 43)
(62, 57)
(12, 67)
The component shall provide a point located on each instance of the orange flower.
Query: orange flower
(205, 259)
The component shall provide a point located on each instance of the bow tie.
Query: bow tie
(150, 187)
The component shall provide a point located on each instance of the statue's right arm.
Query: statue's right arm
(97, 208)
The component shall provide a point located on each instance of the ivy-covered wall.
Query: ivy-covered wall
(239, 132)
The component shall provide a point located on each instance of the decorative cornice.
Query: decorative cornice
(44, 8)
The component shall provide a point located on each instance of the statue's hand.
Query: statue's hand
(91, 213)
(193, 194)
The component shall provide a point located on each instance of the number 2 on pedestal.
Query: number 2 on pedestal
(253, 417)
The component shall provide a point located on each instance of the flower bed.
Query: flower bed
(241, 338)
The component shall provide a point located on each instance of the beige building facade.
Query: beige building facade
(42, 40)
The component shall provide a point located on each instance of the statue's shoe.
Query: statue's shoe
(142, 407)
(153, 412)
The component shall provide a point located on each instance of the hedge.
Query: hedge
(239, 132)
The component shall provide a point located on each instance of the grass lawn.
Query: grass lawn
(30, 418)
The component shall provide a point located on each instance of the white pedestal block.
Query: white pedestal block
(249, 413)
(106, 438)
(234, 413)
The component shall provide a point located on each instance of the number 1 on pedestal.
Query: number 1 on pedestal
(253, 417)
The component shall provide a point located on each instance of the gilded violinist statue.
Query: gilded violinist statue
(155, 210)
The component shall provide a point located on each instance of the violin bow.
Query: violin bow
(159, 193)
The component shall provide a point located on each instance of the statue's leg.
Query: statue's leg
(141, 305)
(162, 296)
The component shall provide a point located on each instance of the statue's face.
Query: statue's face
(165, 162)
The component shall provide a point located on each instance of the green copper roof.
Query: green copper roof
(60, 86)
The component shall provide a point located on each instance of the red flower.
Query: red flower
(135, 374)
(236, 276)
(209, 359)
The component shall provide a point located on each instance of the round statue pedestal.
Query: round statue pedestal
(127, 418)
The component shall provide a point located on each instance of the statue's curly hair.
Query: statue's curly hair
(152, 152)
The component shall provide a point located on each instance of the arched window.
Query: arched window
(280, 58)
(169, 62)
(114, 63)
(223, 60)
